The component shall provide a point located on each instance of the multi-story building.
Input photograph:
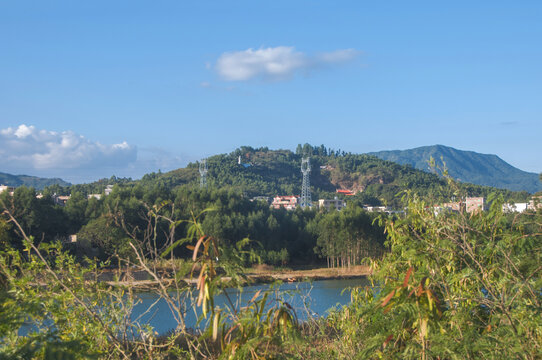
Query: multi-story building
(470, 205)
(475, 204)
(287, 202)
(335, 204)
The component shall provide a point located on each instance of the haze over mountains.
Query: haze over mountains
(467, 166)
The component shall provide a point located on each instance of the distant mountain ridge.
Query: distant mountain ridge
(30, 181)
(467, 166)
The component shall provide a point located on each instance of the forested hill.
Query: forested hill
(30, 181)
(265, 172)
(467, 166)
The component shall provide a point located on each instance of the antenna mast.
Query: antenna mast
(305, 200)
(203, 173)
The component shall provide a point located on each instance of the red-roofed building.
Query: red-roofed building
(345, 192)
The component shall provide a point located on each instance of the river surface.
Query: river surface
(306, 298)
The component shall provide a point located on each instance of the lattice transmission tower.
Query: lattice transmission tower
(305, 200)
(203, 173)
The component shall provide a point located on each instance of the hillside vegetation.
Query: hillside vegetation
(467, 166)
(450, 286)
(265, 172)
(30, 181)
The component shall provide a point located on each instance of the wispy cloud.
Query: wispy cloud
(274, 64)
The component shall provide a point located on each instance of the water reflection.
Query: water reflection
(314, 298)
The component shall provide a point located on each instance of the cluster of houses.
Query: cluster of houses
(534, 204)
(59, 199)
(475, 204)
(290, 202)
(469, 204)
(63, 199)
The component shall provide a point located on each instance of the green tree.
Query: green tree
(102, 239)
(76, 210)
(5, 234)
(453, 286)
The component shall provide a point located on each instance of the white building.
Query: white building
(376, 208)
(517, 207)
(327, 204)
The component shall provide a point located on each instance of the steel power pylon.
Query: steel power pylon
(305, 200)
(203, 173)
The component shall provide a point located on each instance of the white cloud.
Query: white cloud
(26, 147)
(74, 158)
(278, 63)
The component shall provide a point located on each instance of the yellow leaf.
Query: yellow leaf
(215, 325)
(423, 328)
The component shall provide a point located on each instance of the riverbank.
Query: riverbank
(255, 275)
(287, 274)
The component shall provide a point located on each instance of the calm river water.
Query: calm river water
(317, 296)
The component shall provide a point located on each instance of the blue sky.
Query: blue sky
(100, 88)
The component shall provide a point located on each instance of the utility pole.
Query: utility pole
(203, 173)
(305, 200)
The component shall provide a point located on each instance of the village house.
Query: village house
(287, 202)
(535, 203)
(334, 204)
(517, 207)
(260, 198)
(470, 205)
(61, 199)
(475, 204)
(369, 208)
(9, 189)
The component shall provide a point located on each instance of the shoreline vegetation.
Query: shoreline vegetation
(259, 274)
(452, 285)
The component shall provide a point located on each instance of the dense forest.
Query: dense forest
(449, 285)
(104, 225)
(446, 286)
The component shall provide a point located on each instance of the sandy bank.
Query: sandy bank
(259, 275)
